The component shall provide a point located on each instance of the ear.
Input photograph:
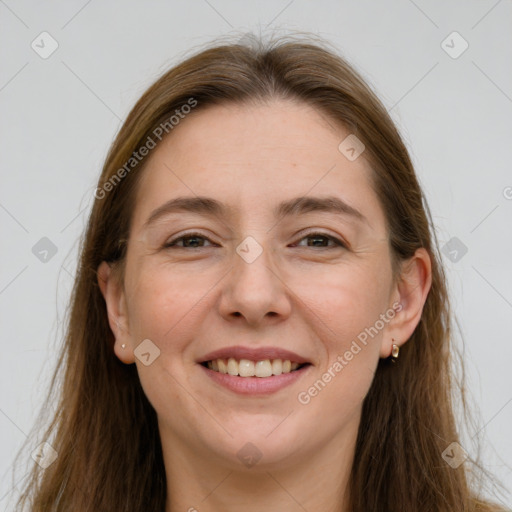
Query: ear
(113, 293)
(409, 295)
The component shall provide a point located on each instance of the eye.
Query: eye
(190, 240)
(193, 240)
(319, 236)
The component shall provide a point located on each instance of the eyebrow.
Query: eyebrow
(208, 206)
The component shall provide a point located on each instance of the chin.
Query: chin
(263, 443)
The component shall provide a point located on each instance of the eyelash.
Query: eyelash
(171, 243)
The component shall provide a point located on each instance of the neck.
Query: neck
(312, 481)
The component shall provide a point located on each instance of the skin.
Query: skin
(313, 300)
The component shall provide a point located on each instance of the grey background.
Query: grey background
(60, 114)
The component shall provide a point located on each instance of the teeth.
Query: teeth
(277, 366)
(263, 368)
(223, 367)
(232, 366)
(247, 368)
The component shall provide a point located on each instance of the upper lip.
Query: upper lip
(254, 354)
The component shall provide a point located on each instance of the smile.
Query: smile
(248, 368)
(255, 371)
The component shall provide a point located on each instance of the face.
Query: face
(312, 285)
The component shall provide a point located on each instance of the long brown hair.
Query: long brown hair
(105, 430)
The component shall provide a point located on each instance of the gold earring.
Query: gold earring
(394, 351)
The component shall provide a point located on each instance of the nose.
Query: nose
(254, 289)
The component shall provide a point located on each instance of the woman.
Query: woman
(260, 317)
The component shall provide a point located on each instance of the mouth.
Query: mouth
(253, 368)
(254, 371)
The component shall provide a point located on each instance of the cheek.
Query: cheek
(348, 307)
(347, 300)
(164, 305)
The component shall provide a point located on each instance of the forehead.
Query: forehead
(255, 154)
(257, 130)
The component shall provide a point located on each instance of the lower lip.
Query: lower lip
(255, 385)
